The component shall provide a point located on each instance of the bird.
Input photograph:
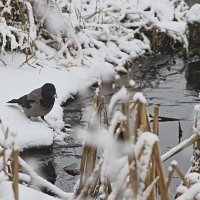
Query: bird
(39, 102)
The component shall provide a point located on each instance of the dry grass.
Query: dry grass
(156, 184)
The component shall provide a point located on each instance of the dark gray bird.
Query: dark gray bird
(39, 102)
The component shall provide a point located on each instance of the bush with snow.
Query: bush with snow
(81, 31)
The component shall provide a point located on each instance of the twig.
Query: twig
(181, 175)
(26, 61)
(160, 172)
(169, 177)
(3, 62)
(153, 168)
(186, 143)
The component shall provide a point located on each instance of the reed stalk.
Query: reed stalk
(153, 167)
(15, 170)
(88, 158)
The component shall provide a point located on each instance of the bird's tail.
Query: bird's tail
(13, 101)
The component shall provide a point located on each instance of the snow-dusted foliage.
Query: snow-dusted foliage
(115, 32)
(17, 26)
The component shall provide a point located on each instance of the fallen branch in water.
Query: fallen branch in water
(183, 145)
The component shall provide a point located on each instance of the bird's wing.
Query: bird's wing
(35, 95)
(24, 101)
(30, 98)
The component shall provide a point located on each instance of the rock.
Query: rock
(72, 169)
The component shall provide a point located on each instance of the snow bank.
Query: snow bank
(193, 15)
(25, 193)
(16, 81)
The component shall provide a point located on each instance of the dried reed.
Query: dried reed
(15, 171)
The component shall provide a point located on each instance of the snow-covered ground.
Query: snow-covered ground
(24, 193)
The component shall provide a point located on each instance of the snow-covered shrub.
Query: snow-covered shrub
(115, 32)
(17, 27)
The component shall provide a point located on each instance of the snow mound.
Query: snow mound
(7, 193)
(193, 15)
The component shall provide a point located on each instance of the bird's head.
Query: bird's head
(48, 91)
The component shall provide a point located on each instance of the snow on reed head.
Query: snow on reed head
(121, 96)
(138, 96)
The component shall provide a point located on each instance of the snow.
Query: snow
(190, 193)
(138, 96)
(116, 119)
(193, 15)
(132, 83)
(174, 162)
(143, 164)
(121, 96)
(181, 189)
(5, 32)
(43, 183)
(193, 177)
(24, 193)
(32, 28)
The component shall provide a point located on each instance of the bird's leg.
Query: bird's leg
(47, 123)
(43, 119)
